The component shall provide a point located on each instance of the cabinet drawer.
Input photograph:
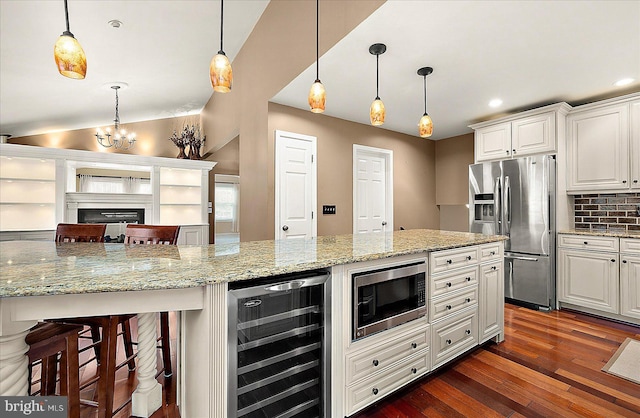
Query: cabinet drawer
(441, 261)
(450, 282)
(588, 242)
(451, 304)
(378, 357)
(630, 245)
(453, 336)
(379, 385)
(489, 252)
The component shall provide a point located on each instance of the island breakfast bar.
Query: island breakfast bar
(45, 280)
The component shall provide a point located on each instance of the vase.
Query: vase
(182, 155)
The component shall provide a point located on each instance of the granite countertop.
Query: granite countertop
(38, 268)
(614, 234)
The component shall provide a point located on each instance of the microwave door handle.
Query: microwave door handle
(506, 213)
(497, 210)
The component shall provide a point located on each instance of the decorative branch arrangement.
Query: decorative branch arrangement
(191, 137)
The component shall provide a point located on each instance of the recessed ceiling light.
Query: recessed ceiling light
(115, 23)
(495, 102)
(624, 82)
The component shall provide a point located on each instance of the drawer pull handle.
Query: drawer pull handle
(414, 345)
(375, 391)
(449, 261)
(468, 332)
(469, 257)
(468, 300)
(448, 342)
(449, 284)
(624, 261)
(468, 279)
(585, 243)
(375, 363)
(414, 370)
(448, 307)
(493, 268)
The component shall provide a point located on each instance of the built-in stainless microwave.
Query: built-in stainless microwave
(388, 297)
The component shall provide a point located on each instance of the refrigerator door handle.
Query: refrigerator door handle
(509, 291)
(506, 206)
(517, 257)
(497, 210)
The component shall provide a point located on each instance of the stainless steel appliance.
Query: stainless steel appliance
(516, 198)
(388, 297)
(279, 341)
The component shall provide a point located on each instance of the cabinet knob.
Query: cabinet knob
(448, 307)
(624, 261)
(468, 332)
(469, 257)
(468, 279)
(624, 182)
(414, 370)
(448, 342)
(492, 253)
(514, 151)
(613, 260)
(375, 363)
(494, 268)
(375, 391)
(285, 228)
(449, 284)
(635, 181)
(414, 345)
(507, 151)
(449, 261)
(585, 243)
(468, 300)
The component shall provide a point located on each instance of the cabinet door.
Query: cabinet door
(493, 142)
(630, 286)
(635, 144)
(534, 135)
(598, 149)
(589, 279)
(491, 301)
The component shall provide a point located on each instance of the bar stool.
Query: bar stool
(45, 341)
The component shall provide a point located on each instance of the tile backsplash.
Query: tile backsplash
(607, 212)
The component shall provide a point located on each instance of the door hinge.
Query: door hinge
(311, 157)
(311, 214)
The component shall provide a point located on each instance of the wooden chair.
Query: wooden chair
(45, 341)
(80, 232)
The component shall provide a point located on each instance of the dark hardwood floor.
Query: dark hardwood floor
(548, 366)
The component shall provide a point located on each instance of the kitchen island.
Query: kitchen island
(44, 280)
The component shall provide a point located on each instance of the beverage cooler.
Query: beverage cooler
(279, 342)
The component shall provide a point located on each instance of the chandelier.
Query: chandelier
(121, 138)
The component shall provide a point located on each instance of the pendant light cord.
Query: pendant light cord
(377, 78)
(221, 23)
(317, 40)
(425, 94)
(66, 14)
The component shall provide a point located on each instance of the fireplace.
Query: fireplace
(110, 216)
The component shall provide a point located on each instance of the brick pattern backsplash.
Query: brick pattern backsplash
(608, 212)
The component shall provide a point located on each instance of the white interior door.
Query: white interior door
(372, 189)
(296, 183)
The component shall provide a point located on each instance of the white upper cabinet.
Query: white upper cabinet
(634, 108)
(603, 147)
(532, 132)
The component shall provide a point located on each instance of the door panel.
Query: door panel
(295, 186)
(371, 192)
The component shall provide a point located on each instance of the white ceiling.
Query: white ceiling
(528, 53)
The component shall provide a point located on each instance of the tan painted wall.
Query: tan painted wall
(280, 47)
(152, 138)
(413, 160)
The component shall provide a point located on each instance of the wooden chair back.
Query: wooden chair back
(80, 232)
(151, 234)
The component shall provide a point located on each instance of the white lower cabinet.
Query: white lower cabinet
(377, 386)
(453, 335)
(491, 301)
(589, 279)
(630, 285)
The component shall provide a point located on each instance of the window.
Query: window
(226, 201)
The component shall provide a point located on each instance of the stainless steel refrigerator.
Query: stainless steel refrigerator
(516, 198)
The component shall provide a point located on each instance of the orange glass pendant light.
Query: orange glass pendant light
(220, 67)
(377, 111)
(425, 127)
(69, 55)
(317, 93)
